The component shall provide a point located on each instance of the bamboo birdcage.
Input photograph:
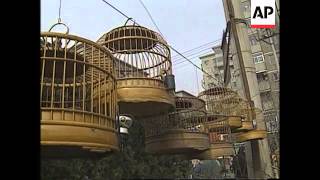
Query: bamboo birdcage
(222, 103)
(143, 66)
(77, 97)
(220, 139)
(178, 132)
(223, 116)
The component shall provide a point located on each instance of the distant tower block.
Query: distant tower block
(77, 97)
(143, 67)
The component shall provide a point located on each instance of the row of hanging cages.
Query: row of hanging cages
(77, 97)
(143, 69)
(226, 113)
(178, 132)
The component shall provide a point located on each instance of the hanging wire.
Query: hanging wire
(198, 47)
(197, 81)
(129, 18)
(149, 14)
(154, 23)
(178, 61)
(59, 19)
(195, 65)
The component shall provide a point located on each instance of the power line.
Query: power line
(149, 14)
(162, 35)
(203, 45)
(195, 65)
(145, 8)
(120, 12)
(154, 23)
(177, 60)
(194, 57)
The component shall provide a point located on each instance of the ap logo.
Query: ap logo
(263, 14)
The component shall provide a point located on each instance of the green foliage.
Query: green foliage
(132, 163)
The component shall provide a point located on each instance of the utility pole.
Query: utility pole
(257, 151)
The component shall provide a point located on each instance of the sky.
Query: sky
(185, 24)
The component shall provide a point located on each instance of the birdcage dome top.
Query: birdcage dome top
(132, 39)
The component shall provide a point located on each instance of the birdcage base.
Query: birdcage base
(216, 151)
(246, 126)
(250, 135)
(143, 97)
(71, 152)
(75, 141)
(75, 138)
(177, 142)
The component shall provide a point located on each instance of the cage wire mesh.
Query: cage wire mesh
(189, 116)
(140, 52)
(221, 105)
(78, 99)
(77, 76)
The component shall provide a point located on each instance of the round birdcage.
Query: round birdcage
(222, 103)
(248, 114)
(77, 97)
(223, 116)
(220, 139)
(178, 132)
(143, 70)
(143, 52)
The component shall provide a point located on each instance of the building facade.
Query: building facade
(265, 47)
(213, 64)
(266, 57)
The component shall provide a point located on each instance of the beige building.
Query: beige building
(213, 64)
(266, 57)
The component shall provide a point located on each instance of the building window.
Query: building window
(258, 58)
(275, 76)
(245, 8)
(234, 84)
(253, 40)
(262, 76)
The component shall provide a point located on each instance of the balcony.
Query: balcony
(267, 106)
(264, 86)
